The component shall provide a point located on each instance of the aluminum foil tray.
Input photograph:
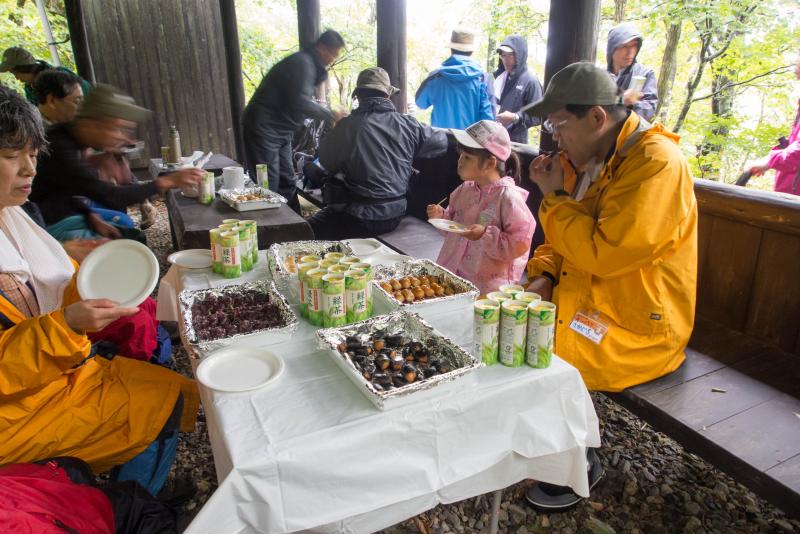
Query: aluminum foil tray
(266, 199)
(464, 289)
(283, 272)
(412, 327)
(288, 323)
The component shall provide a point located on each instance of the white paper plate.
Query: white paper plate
(364, 247)
(390, 259)
(123, 270)
(448, 225)
(239, 368)
(193, 258)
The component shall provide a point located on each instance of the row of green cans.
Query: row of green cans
(334, 290)
(234, 247)
(514, 331)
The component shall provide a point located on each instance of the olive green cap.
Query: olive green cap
(375, 78)
(105, 101)
(16, 56)
(582, 83)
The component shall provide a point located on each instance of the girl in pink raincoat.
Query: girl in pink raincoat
(493, 250)
(785, 158)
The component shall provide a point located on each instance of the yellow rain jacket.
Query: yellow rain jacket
(56, 402)
(625, 255)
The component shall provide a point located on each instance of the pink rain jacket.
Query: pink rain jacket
(786, 161)
(499, 257)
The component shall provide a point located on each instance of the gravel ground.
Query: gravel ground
(651, 485)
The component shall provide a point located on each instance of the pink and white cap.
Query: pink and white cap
(489, 135)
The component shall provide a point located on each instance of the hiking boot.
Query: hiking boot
(176, 492)
(545, 497)
(148, 215)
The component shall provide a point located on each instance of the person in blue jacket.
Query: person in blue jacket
(460, 92)
(516, 86)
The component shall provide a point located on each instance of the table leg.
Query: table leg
(494, 518)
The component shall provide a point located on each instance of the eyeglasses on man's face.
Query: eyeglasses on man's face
(552, 127)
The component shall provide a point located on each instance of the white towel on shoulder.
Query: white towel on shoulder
(32, 255)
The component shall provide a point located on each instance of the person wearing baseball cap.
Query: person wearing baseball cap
(515, 86)
(620, 218)
(460, 92)
(27, 68)
(371, 152)
(495, 225)
(106, 121)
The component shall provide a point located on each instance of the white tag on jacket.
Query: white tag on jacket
(592, 328)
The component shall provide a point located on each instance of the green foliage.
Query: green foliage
(20, 25)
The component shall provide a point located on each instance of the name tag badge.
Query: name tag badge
(592, 328)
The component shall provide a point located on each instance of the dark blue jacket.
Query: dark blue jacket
(619, 35)
(521, 88)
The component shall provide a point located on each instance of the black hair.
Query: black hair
(364, 92)
(331, 39)
(459, 53)
(33, 68)
(54, 82)
(510, 167)
(615, 111)
(20, 122)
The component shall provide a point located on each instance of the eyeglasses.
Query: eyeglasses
(553, 127)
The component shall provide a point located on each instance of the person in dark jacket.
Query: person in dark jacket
(372, 152)
(624, 44)
(27, 68)
(515, 86)
(283, 100)
(59, 94)
(106, 121)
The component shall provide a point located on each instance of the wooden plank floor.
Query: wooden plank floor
(735, 403)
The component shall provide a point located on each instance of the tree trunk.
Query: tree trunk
(691, 87)
(669, 65)
(491, 56)
(721, 109)
(619, 11)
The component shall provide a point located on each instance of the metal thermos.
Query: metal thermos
(174, 145)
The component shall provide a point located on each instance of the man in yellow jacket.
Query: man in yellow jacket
(620, 218)
(57, 397)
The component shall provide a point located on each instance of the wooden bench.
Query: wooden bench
(735, 401)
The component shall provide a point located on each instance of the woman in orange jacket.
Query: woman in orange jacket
(57, 398)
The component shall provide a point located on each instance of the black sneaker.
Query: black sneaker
(546, 497)
(176, 492)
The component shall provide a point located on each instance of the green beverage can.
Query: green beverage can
(486, 330)
(207, 190)
(529, 297)
(216, 250)
(262, 175)
(336, 256)
(310, 257)
(324, 264)
(498, 296)
(245, 242)
(350, 260)
(313, 288)
(338, 268)
(230, 221)
(367, 268)
(511, 290)
(302, 269)
(355, 295)
(333, 306)
(231, 261)
(513, 328)
(541, 334)
(253, 226)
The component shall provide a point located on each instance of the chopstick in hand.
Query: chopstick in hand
(440, 202)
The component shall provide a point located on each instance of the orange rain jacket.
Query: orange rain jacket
(627, 254)
(56, 402)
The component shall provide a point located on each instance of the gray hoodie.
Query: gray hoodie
(620, 35)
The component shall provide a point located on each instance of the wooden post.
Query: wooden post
(571, 37)
(233, 65)
(391, 37)
(307, 22)
(79, 39)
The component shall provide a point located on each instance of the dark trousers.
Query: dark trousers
(329, 224)
(265, 144)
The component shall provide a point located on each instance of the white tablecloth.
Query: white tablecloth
(311, 453)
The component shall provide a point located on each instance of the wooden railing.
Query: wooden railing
(749, 262)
